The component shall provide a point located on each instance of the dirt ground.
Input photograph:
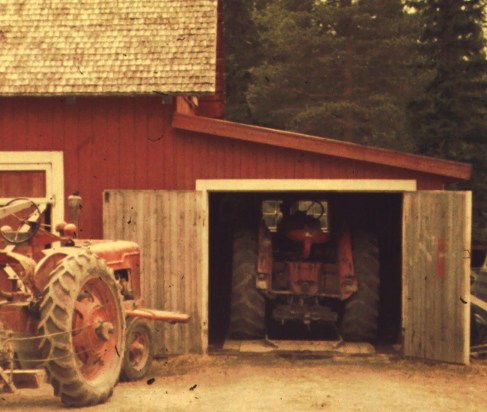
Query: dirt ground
(287, 382)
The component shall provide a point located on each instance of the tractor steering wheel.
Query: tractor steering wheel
(30, 226)
(322, 209)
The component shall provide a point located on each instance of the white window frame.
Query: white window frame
(52, 164)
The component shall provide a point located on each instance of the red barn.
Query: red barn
(111, 99)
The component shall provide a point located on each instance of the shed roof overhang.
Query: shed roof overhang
(451, 170)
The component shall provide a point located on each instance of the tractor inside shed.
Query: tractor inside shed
(301, 256)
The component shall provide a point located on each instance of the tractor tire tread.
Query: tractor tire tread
(247, 308)
(359, 322)
(56, 348)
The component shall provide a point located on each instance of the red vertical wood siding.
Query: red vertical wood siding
(128, 143)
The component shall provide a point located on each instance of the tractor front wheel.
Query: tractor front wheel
(138, 350)
(82, 330)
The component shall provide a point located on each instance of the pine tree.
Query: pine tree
(449, 118)
(335, 68)
(241, 53)
(450, 114)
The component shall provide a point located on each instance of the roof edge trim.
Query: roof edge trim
(320, 145)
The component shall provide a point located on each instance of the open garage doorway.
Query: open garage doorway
(376, 212)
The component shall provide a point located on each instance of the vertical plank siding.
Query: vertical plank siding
(128, 143)
(167, 226)
(436, 275)
(107, 143)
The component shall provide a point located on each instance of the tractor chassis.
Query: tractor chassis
(71, 308)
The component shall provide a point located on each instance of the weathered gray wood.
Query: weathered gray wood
(167, 225)
(436, 275)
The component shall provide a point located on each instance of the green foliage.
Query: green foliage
(366, 71)
(335, 69)
(449, 119)
(241, 53)
(451, 110)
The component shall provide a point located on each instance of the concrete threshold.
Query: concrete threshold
(266, 345)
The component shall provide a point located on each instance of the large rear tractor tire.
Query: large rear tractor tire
(82, 330)
(138, 350)
(247, 310)
(361, 313)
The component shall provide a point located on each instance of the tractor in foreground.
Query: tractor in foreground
(290, 264)
(70, 307)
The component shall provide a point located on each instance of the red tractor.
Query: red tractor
(292, 267)
(72, 307)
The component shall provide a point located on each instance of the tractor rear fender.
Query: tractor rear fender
(15, 266)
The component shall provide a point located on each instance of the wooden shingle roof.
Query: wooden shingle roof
(100, 47)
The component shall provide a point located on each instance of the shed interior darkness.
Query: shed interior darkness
(380, 213)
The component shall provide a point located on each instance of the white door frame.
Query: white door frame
(276, 185)
(52, 163)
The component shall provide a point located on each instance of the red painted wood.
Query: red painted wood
(324, 146)
(126, 141)
(129, 143)
(22, 184)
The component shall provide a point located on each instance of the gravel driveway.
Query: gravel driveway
(287, 382)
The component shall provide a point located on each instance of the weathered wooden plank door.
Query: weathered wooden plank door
(168, 226)
(436, 275)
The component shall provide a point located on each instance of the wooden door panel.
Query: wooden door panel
(168, 226)
(436, 275)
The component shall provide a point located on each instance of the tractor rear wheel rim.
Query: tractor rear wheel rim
(95, 328)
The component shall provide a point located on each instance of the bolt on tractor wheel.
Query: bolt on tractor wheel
(359, 322)
(247, 311)
(138, 350)
(82, 330)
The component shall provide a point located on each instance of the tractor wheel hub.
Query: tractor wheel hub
(105, 330)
